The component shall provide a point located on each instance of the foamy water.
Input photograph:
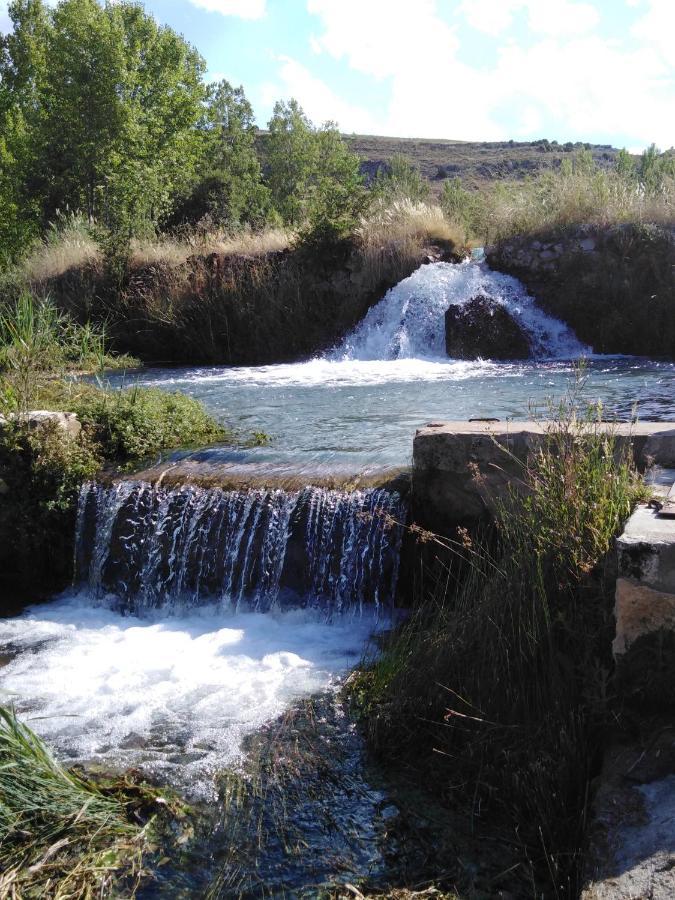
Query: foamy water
(174, 695)
(409, 322)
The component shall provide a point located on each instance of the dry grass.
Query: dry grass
(406, 220)
(557, 200)
(392, 237)
(174, 252)
(68, 245)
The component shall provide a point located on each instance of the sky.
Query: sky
(592, 70)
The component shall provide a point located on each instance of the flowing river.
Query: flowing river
(199, 615)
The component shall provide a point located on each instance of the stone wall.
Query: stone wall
(614, 285)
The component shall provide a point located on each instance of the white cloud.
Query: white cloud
(566, 81)
(316, 98)
(550, 17)
(656, 28)
(242, 9)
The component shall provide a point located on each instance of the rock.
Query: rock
(460, 469)
(483, 327)
(68, 422)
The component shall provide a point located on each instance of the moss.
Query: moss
(41, 471)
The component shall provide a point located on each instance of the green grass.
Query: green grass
(497, 689)
(61, 836)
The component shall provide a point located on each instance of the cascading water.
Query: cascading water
(410, 321)
(199, 615)
(145, 547)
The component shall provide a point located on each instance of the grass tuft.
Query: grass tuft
(497, 689)
(60, 835)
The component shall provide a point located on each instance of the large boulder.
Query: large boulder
(483, 327)
(66, 422)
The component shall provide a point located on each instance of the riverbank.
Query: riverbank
(251, 302)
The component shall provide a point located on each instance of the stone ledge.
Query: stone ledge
(460, 467)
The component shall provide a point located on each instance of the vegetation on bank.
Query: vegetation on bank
(497, 692)
(62, 834)
(42, 465)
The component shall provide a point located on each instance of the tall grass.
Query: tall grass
(68, 244)
(39, 341)
(60, 836)
(497, 689)
(174, 251)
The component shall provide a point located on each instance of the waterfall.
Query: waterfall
(410, 321)
(141, 547)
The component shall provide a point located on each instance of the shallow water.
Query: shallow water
(358, 414)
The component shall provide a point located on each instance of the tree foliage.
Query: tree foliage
(100, 105)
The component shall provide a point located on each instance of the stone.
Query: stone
(587, 245)
(631, 844)
(67, 422)
(461, 468)
(645, 588)
(482, 327)
(640, 610)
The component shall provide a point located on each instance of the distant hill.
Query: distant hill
(476, 163)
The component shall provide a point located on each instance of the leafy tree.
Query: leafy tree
(336, 196)
(231, 193)
(400, 180)
(314, 178)
(109, 102)
(291, 160)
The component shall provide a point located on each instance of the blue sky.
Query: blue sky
(596, 70)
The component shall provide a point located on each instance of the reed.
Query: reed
(497, 689)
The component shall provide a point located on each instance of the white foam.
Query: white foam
(175, 695)
(410, 321)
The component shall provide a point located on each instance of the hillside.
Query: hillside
(474, 162)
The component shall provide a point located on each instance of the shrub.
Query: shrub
(132, 424)
(496, 689)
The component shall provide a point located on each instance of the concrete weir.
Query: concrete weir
(460, 468)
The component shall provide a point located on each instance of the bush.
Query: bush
(132, 424)
(496, 689)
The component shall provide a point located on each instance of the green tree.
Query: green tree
(230, 191)
(109, 102)
(400, 180)
(291, 160)
(336, 195)
(314, 178)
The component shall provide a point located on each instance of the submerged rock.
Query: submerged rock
(482, 327)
